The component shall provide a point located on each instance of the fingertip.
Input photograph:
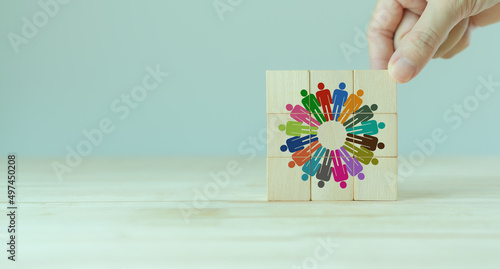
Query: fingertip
(402, 70)
(378, 64)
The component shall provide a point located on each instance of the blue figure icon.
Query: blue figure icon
(338, 99)
(296, 143)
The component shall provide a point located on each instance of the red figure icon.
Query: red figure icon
(324, 97)
(352, 104)
(339, 170)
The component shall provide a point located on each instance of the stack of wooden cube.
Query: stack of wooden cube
(332, 135)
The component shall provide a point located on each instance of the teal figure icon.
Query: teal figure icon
(370, 127)
(312, 166)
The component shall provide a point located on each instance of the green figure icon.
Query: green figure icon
(312, 104)
(363, 155)
(295, 128)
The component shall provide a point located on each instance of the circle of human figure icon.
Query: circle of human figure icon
(319, 161)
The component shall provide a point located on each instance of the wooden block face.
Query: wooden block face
(379, 181)
(377, 136)
(286, 87)
(333, 180)
(287, 181)
(289, 134)
(314, 114)
(377, 87)
(331, 90)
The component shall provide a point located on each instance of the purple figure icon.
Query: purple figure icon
(354, 167)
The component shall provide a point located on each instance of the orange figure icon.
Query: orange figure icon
(324, 97)
(351, 104)
(302, 156)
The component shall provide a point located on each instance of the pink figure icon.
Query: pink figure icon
(300, 114)
(324, 97)
(339, 170)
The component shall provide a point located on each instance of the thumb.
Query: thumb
(424, 39)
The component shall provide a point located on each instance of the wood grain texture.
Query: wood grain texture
(283, 90)
(283, 87)
(276, 138)
(331, 191)
(285, 183)
(378, 88)
(380, 182)
(128, 214)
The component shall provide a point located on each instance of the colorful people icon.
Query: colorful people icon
(363, 155)
(370, 127)
(295, 128)
(361, 115)
(296, 143)
(352, 104)
(339, 170)
(312, 166)
(312, 104)
(302, 156)
(325, 99)
(366, 141)
(338, 99)
(300, 114)
(337, 107)
(325, 172)
(354, 167)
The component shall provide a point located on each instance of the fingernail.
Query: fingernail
(402, 70)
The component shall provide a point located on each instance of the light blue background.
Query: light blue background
(92, 51)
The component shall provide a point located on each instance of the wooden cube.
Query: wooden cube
(378, 88)
(286, 180)
(380, 181)
(332, 135)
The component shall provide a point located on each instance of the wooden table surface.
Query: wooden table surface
(134, 213)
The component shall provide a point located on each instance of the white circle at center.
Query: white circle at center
(332, 135)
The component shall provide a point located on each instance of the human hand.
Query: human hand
(403, 35)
